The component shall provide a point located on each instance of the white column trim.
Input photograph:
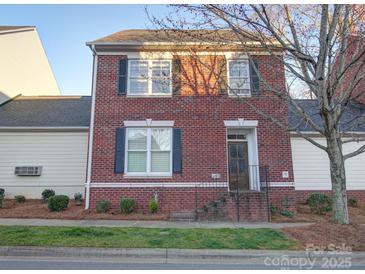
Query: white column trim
(91, 131)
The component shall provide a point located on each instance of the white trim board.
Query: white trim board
(281, 184)
(177, 185)
(240, 122)
(43, 129)
(159, 184)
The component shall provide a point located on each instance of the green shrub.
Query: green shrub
(19, 198)
(287, 213)
(319, 203)
(153, 206)
(2, 196)
(274, 209)
(78, 198)
(58, 202)
(127, 205)
(102, 206)
(47, 193)
(353, 202)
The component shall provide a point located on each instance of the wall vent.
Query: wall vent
(28, 170)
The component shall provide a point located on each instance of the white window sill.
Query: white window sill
(149, 96)
(144, 176)
(239, 95)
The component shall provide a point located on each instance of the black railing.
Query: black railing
(250, 180)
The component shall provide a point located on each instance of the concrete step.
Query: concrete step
(183, 216)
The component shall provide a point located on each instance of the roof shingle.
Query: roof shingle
(353, 111)
(50, 111)
(145, 35)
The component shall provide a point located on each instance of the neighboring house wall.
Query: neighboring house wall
(24, 67)
(312, 172)
(62, 156)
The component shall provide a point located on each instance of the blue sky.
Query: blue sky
(64, 29)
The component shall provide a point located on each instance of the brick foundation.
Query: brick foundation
(283, 198)
(170, 199)
(252, 205)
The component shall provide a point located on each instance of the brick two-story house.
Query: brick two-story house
(168, 123)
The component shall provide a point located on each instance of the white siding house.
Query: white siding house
(46, 132)
(24, 66)
(311, 166)
(62, 156)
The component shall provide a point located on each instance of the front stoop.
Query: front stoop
(183, 216)
(248, 206)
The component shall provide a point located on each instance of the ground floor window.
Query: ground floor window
(149, 151)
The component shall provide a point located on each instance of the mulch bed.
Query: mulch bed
(304, 215)
(324, 234)
(37, 209)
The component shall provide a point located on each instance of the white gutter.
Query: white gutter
(15, 128)
(91, 131)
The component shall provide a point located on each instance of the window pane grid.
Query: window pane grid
(150, 77)
(239, 81)
(151, 154)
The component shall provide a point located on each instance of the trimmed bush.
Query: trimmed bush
(2, 196)
(127, 205)
(274, 209)
(103, 206)
(319, 203)
(58, 202)
(78, 198)
(153, 206)
(19, 198)
(353, 202)
(47, 193)
(287, 213)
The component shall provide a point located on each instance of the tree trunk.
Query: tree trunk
(338, 178)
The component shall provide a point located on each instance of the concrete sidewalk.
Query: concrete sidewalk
(147, 224)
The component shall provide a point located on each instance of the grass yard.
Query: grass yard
(225, 238)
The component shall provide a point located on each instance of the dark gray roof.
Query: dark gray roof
(352, 111)
(50, 111)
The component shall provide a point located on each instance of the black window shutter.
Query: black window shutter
(122, 78)
(254, 78)
(176, 76)
(119, 150)
(177, 151)
(222, 63)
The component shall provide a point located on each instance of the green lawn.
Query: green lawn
(227, 238)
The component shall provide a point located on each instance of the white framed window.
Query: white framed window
(149, 77)
(239, 77)
(148, 151)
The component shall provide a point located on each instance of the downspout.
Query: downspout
(91, 131)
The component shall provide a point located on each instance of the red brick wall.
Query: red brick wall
(169, 199)
(201, 119)
(252, 206)
(283, 198)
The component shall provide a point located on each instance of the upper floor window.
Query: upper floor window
(239, 77)
(149, 77)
